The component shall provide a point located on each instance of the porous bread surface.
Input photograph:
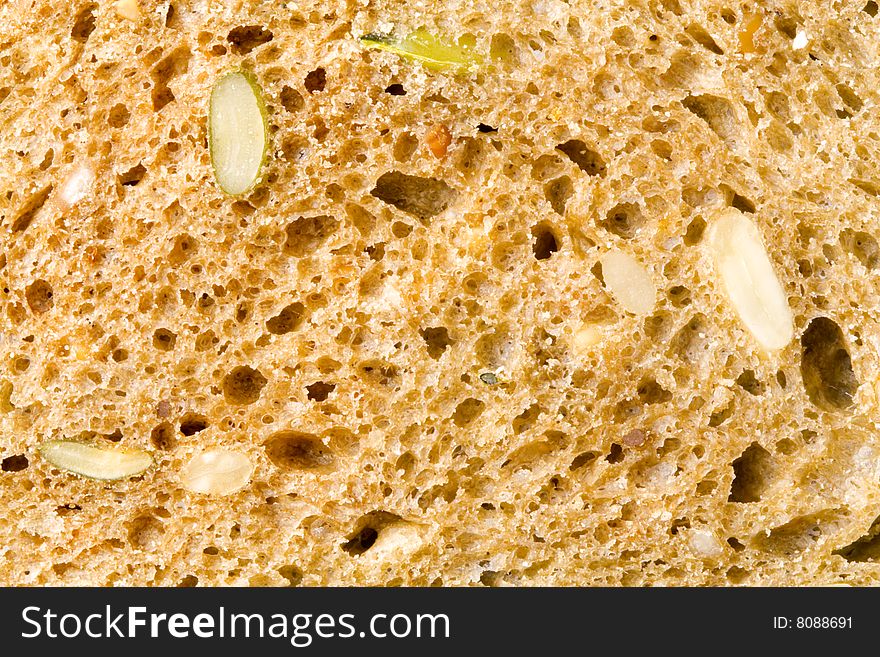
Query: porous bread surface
(367, 284)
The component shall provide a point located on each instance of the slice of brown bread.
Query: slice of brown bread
(533, 355)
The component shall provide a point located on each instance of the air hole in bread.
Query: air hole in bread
(114, 437)
(870, 8)
(493, 350)
(167, 69)
(850, 97)
(367, 530)
(422, 197)
(48, 158)
(342, 441)
(742, 204)
(242, 209)
(15, 463)
(471, 152)
(170, 15)
(752, 473)
(826, 366)
(184, 246)
(781, 379)
(582, 460)
(467, 411)
(294, 148)
(245, 38)
(525, 457)
(145, 533)
(728, 16)
(701, 36)
(545, 243)
(695, 231)
(206, 340)
(749, 382)
(615, 454)
(502, 48)
(395, 89)
(679, 295)
(623, 220)
(722, 415)
(587, 159)
(436, 339)
(787, 25)
(404, 146)
(84, 23)
(557, 192)
(704, 196)
(68, 509)
(320, 133)
(163, 339)
(188, 582)
(133, 176)
(193, 423)
(362, 541)
(306, 234)
(623, 36)
(362, 219)
(315, 80)
(118, 116)
(869, 187)
(669, 446)
(678, 524)
(291, 99)
(297, 450)
(862, 245)
(507, 255)
(719, 114)
(735, 544)
(291, 574)
(39, 296)
(800, 533)
(651, 392)
(737, 574)
(319, 391)
(243, 385)
(684, 69)
(379, 372)
(786, 446)
(490, 578)
(30, 209)
(162, 437)
(866, 548)
(289, 319)
(706, 487)
(474, 283)
(527, 419)
(405, 463)
(690, 341)
(375, 251)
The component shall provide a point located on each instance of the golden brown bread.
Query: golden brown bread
(410, 328)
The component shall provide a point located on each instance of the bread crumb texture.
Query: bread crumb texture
(397, 359)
